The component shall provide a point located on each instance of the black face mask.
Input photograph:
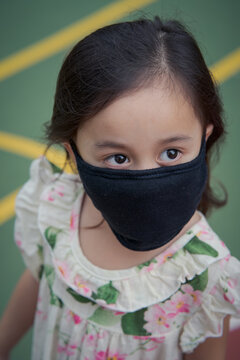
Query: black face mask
(145, 208)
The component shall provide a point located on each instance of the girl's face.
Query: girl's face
(149, 128)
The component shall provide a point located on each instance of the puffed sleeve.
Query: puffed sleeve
(26, 232)
(223, 298)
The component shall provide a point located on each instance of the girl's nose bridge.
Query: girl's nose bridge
(144, 155)
(146, 163)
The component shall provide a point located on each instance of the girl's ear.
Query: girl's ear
(70, 151)
(209, 130)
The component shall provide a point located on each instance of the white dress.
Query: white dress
(154, 311)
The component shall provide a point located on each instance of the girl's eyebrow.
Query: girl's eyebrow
(107, 144)
(111, 144)
(175, 139)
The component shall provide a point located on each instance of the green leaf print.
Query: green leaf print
(147, 263)
(199, 282)
(104, 317)
(55, 168)
(40, 251)
(50, 275)
(55, 300)
(51, 235)
(40, 254)
(79, 297)
(106, 292)
(40, 272)
(196, 246)
(132, 323)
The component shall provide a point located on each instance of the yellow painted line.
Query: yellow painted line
(20, 145)
(7, 205)
(227, 67)
(62, 39)
(32, 149)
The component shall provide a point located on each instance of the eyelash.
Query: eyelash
(165, 151)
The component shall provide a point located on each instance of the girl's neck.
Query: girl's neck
(101, 247)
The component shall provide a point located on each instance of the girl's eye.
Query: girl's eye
(170, 155)
(117, 159)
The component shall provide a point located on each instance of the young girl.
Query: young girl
(123, 262)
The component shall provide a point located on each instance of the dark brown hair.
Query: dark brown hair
(123, 57)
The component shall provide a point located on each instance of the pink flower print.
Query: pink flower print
(204, 228)
(75, 317)
(167, 254)
(157, 340)
(104, 355)
(179, 303)
(19, 243)
(232, 283)
(150, 343)
(68, 349)
(213, 290)
(149, 268)
(81, 287)
(196, 295)
(158, 321)
(164, 256)
(101, 355)
(59, 192)
(90, 339)
(74, 220)
(141, 337)
(51, 195)
(63, 268)
(17, 238)
(118, 313)
(205, 234)
(229, 297)
(102, 334)
(40, 313)
(224, 260)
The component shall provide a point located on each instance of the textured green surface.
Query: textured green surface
(26, 100)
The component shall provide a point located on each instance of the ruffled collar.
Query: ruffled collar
(126, 289)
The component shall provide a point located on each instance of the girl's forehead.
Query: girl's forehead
(148, 110)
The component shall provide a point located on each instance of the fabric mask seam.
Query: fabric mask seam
(139, 177)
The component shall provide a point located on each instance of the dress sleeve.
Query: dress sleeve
(223, 298)
(26, 231)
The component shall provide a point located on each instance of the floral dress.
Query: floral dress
(157, 310)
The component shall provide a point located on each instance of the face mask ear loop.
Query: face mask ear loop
(74, 148)
(203, 141)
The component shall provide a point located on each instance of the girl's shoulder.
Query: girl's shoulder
(48, 184)
(50, 195)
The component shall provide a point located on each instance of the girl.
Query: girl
(124, 263)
